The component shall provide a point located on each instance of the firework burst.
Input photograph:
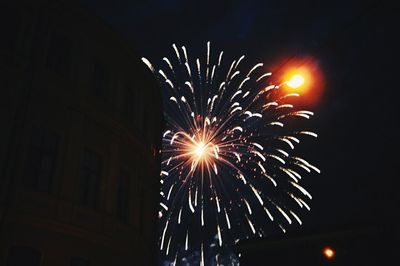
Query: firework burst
(228, 160)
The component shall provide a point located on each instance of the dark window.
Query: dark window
(144, 127)
(23, 256)
(123, 196)
(128, 103)
(41, 161)
(142, 212)
(79, 261)
(139, 114)
(39, 45)
(90, 174)
(154, 151)
(10, 22)
(59, 54)
(101, 81)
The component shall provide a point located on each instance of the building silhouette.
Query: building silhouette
(81, 130)
(350, 245)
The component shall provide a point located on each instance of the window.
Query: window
(154, 152)
(58, 54)
(90, 174)
(128, 103)
(142, 212)
(10, 21)
(79, 261)
(101, 81)
(138, 205)
(41, 162)
(139, 113)
(40, 36)
(21, 255)
(123, 196)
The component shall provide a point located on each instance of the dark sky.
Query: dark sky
(356, 117)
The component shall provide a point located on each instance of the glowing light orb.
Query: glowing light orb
(328, 253)
(301, 75)
(296, 81)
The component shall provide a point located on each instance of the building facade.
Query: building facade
(81, 130)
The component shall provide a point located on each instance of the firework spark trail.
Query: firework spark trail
(227, 161)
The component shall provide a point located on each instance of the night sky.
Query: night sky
(356, 116)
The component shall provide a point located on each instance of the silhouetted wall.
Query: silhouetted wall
(81, 130)
(351, 246)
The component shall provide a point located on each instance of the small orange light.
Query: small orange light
(329, 253)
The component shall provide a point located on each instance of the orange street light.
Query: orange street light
(301, 75)
(329, 253)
